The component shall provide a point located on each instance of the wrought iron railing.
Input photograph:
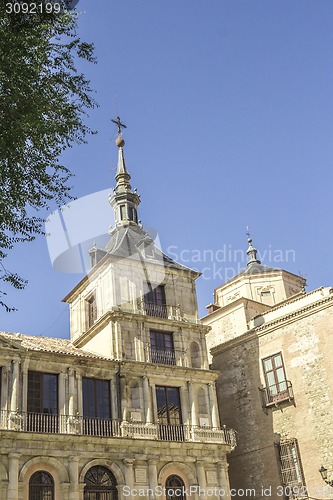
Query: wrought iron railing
(162, 357)
(277, 393)
(161, 310)
(45, 423)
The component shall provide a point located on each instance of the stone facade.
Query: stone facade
(129, 403)
(284, 430)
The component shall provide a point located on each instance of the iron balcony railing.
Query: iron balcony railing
(277, 393)
(170, 356)
(45, 423)
(161, 310)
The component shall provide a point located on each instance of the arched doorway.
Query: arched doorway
(100, 484)
(175, 488)
(41, 486)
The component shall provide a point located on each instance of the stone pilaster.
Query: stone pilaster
(147, 401)
(152, 473)
(73, 467)
(13, 472)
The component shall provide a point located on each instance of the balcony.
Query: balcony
(172, 357)
(277, 393)
(81, 426)
(163, 311)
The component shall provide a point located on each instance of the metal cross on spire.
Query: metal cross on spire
(248, 232)
(119, 124)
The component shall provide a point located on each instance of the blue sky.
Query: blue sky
(229, 111)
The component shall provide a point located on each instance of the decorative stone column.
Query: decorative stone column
(74, 490)
(194, 419)
(129, 472)
(71, 390)
(184, 405)
(15, 386)
(223, 479)
(79, 394)
(213, 405)
(152, 473)
(200, 467)
(25, 366)
(147, 401)
(13, 473)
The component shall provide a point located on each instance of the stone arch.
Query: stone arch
(195, 355)
(48, 464)
(114, 468)
(180, 469)
(54, 464)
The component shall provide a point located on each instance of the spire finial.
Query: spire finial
(120, 125)
(251, 251)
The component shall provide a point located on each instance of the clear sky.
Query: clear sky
(229, 109)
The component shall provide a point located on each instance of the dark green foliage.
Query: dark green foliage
(43, 103)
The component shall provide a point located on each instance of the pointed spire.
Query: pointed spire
(251, 252)
(124, 201)
(122, 176)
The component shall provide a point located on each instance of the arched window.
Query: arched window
(41, 486)
(100, 484)
(175, 488)
(195, 355)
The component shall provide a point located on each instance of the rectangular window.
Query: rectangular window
(277, 387)
(161, 348)
(42, 404)
(96, 407)
(154, 301)
(92, 310)
(123, 214)
(168, 405)
(291, 468)
(96, 398)
(169, 413)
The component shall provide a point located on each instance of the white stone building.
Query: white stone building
(127, 407)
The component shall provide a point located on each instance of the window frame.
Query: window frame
(91, 310)
(95, 398)
(291, 468)
(38, 494)
(42, 399)
(279, 390)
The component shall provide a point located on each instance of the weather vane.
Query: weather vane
(248, 232)
(119, 124)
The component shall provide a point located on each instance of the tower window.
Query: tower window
(92, 310)
(123, 214)
(133, 214)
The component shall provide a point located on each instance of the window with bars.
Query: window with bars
(291, 468)
(175, 488)
(41, 486)
(100, 484)
(278, 388)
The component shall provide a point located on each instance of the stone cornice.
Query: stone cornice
(119, 315)
(266, 328)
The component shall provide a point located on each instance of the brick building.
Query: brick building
(273, 344)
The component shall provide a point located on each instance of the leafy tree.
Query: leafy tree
(44, 100)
